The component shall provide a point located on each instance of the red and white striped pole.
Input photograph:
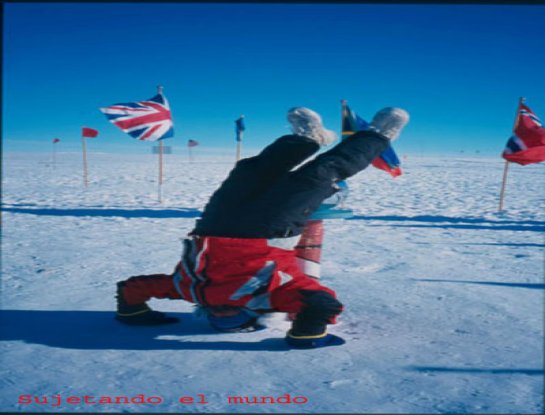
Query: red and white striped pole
(309, 249)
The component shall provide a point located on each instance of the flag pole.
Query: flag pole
(85, 179)
(239, 144)
(343, 112)
(506, 168)
(161, 162)
(160, 91)
(54, 155)
(160, 169)
(240, 133)
(502, 193)
(238, 147)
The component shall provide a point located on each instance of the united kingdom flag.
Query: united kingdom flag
(149, 120)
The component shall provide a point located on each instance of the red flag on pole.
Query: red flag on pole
(89, 132)
(527, 144)
(86, 133)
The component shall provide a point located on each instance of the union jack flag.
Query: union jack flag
(527, 144)
(149, 120)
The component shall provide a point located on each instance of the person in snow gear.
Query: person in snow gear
(239, 261)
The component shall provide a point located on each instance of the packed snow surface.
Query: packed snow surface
(443, 295)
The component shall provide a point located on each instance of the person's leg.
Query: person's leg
(346, 159)
(286, 207)
(141, 288)
(248, 179)
(132, 295)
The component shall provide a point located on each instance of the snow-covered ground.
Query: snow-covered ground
(444, 295)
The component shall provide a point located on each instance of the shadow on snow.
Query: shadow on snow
(123, 213)
(98, 330)
(458, 223)
(500, 284)
(494, 371)
(516, 245)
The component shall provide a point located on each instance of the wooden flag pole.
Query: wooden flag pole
(160, 91)
(240, 134)
(506, 168)
(343, 114)
(502, 193)
(161, 162)
(160, 168)
(85, 179)
(239, 144)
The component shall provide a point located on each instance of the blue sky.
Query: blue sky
(458, 70)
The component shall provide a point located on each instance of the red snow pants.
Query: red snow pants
(216, 271)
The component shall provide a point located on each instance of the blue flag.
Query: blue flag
(240, 127)
(388, 160)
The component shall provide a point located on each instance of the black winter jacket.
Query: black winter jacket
(265, 197)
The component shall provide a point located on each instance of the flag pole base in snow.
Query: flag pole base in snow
(502, 193)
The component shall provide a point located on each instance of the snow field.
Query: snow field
(443, 295)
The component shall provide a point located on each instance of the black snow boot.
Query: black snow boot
(309, 329)
(319, 310)
(139, 314)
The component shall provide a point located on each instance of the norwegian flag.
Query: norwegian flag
(527, 144)
(149, 120)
